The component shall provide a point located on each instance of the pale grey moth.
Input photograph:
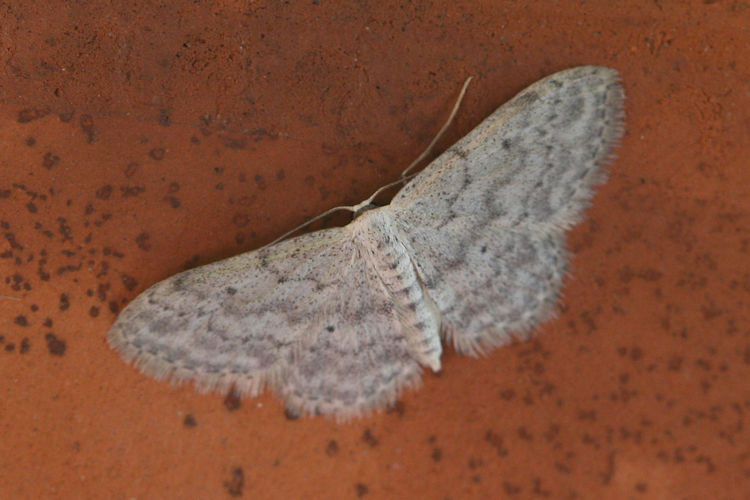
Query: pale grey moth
(470, 251)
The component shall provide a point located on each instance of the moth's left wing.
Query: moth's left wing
(306, 316)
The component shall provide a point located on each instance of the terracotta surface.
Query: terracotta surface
(138, 139)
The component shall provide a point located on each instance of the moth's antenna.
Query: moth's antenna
(440, 133)
(353, 209)
(304, 225)
(404, 175)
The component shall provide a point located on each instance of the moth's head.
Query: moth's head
(362, 209)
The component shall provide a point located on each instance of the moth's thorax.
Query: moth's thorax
(377, 235)
(372, 223)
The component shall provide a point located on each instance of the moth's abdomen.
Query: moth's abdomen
(393, 266)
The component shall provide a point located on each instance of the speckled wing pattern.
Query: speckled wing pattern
(339, 321)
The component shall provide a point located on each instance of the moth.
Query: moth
(470, 253)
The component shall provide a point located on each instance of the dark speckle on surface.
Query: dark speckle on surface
(361, 489)
(55, 345)
(104, 192)
(87, 126)
(28, 115)
(398, 408)
(164, 119)
(64, 302)
(369, 438)
(173, 201)
(236, 482)
(291, 414)
(232, 401)
(142, 240)
(157, 154)
(50, 160)
(129, 282)
(332, 448)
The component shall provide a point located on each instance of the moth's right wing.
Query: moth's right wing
(485, 221)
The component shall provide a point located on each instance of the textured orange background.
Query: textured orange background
(137, 140)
